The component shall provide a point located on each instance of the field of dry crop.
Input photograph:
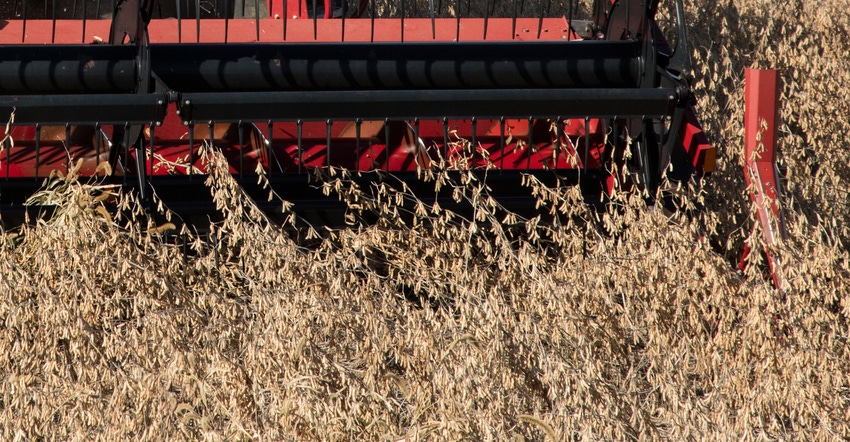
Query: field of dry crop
(619, 325)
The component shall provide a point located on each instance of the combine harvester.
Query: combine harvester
(567, 91)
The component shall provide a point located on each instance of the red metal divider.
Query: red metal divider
(761, 115)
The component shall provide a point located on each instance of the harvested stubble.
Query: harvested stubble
(619, 325)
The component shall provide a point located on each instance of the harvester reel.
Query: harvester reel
(560, 98)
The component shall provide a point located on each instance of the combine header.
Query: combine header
(592, 94)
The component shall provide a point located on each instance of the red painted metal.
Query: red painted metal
(297, 30)
(396, 149)
(761, 115)
(402, 151)
(702, 154)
